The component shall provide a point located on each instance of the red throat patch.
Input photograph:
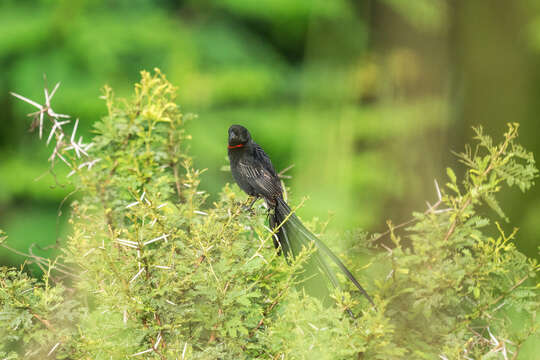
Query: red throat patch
(235, 146)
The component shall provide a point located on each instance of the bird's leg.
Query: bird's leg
(248, 208)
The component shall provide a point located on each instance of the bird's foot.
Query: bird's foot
(250, 210)
(249, 207)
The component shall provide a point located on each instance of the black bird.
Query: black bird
(254, 174)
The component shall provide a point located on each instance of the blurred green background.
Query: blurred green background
(366, 98)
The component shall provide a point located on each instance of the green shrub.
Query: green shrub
(152, 271)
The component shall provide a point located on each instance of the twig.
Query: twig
(521, 281)
(431, 209)
(43, 321)
(499, 298)
(177, 182)
(452, 228)
(42, 261)
(282, 175)
(267, 311)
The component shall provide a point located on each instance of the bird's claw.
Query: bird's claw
(248, 209)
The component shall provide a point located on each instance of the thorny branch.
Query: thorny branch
(63, 144)
(509, 136)
(43, 261)
(57, 132)
(432, 209)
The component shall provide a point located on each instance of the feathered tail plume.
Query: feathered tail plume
(293, 236)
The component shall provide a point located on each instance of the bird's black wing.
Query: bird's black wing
(264, 159)
(259, 172)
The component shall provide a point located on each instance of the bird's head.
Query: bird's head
(238, 136)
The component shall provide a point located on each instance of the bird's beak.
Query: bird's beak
(233, 138)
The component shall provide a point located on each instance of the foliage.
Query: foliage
(150, 270)
(453, 289)
(36, 314)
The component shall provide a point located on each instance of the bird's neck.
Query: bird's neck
(238, 152)
(240, 148)
(235, 146)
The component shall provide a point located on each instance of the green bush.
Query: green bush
(150, 270)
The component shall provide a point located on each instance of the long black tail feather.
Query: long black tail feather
(293, 236)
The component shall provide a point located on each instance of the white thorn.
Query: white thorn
(439, 196)
(157, 341)
(33, 103)
(142, 352)
(132, 204)
(164, 236)
(184, 351)
(136, 276)
(162, 267)
(40, 124)
(53, 348)
(54, 90)
(47, 99)
(74, 130)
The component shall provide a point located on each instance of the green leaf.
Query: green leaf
(451, 175)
